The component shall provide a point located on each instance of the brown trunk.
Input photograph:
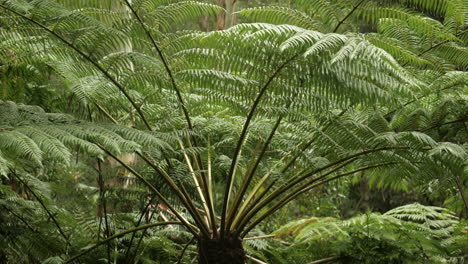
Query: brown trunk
(221, 251)
(221, 20)
(226, 18)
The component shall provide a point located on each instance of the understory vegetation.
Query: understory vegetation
(233, 131)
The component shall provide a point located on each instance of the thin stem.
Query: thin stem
(255, 260)
(347, 16)
(21, 219)
(132, 230)
(251, 214)
(102, 110)
(436, 45)
(54, 220)
(164, 61)
(462, 192)
(306, 188)
(464, 119)
(414, 100)
(181, 256)
(256, 207)
(242, 137)
(250, 175)
(102, 194)
(154, 190)
(299, 179)
(179, 98)
(308, 144)
(195, 180)
(307, 175)
(258, 237)
(251, 201)
(210, 190)
(180, 192)
(143, 212)
(132, 260)
(324, 260)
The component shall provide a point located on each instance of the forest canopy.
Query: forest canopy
(233, 131)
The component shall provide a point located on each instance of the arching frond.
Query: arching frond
(30, 133)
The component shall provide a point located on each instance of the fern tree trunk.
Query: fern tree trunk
(221, 251)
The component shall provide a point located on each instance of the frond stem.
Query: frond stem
(154, 190)
(299, 179)
(130, 243)
(179, 98)
(102, 202)
(324, 260)
(306, 188)
(180, 192)
(181, 256)
(250, 175)
(348, 15)
(436, 45)
(242, 137)
(251, 201)
(132, 230)
(56, 223)
(255, 209)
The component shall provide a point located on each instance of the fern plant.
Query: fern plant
(286, 100)
(410, 233)
(420, 34)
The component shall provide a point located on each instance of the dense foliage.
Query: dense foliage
(166, 131)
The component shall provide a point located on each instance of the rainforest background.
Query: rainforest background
(248, 131)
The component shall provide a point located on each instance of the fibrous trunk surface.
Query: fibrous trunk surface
(221, 251)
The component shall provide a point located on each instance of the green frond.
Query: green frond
(280, 15)
(18, 144)
(434, 219)
(30, 133)
(447, 148)
(412, 219)
(398, 51)
(167, 15)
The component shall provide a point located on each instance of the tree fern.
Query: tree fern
(262, 113)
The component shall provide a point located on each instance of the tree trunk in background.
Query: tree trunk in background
(221, 251)
(364, 193)
(205, 24)
(226, 19)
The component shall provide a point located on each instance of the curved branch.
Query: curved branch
(132, 230)
(164, 61)
(142, 214)
(348, 15)
(256, 209)
(324, 260)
